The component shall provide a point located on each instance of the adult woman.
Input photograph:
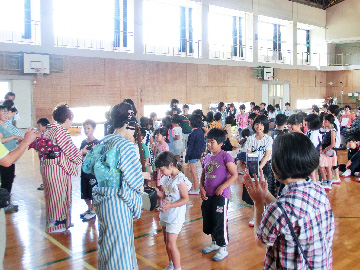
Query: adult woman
(57, 168)
(303, 207)
(118, 196)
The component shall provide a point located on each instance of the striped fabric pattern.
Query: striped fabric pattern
(57, 177)
(13, 129)
(116, 206)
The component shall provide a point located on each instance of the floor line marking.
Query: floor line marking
(61, 246)
(141, 258)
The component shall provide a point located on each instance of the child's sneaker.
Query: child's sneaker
(222, 254)
(11, 208)
(357, 179)
(356, 173)
(194, 192)
(89, 216)
(346, 173)
(210, 248)
(251, 223)
(170, 266)
(335, 181)
(85, 213)
(326, 185)
(41, 187)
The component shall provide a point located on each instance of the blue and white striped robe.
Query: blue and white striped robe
(116, 206)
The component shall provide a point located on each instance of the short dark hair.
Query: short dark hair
(334, 109)
(120, 114)
(252, 116)
(270, 108)
(230, 120)
(242, 107)
(277, 106)
(287, 104)
(166, 122)
(185, 106)
(252, 103)
(195, 121)
(347, 106)
(144, 121)
(325, 106)
(162, 131)
(331, 119)
(9, 94)
(61, 113)
(176, 119)
(217, 116)
(232, 105)
(314, 121)
(295, 119)
(9, 104)
(220, 105)
(293, 156)
(209, 117)
(216, 134)
(351, 139)
(256, 108)
(89, 122)
(173, 101)
(263, 103)
(316, 109)
(43, 121)
(280, 119)
(165, 158)
(262, 119)
(245, 133)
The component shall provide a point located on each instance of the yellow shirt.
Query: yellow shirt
(3, 151)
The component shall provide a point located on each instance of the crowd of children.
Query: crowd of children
(208, 144)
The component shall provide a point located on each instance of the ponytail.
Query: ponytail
(331, 119)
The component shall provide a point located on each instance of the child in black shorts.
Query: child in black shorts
(88, 181)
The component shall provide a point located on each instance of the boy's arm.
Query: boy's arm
(202, 188)
(231, 168)
(265, 159)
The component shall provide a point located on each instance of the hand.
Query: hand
(219, 190)
(30, 136)
(166, 206)
(257, 189)
(203, 193)
(348, 164)
(146, 175)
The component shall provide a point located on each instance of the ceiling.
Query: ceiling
(323, 4)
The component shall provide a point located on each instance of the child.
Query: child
(88, 181)
(10, 122)
(160, 146)
(314, 124)
(42, 123)
(178, 139)
(216, 123)
(10, 142)
(327, 152)
(280, 121)
(153, 117)
(242, 118)
(194, 150)
(174, 193)
(261, 144)
(353, 165)
(295, 123)
(241, 156)
(185, 126)
(219, 173)
(166, 122)
(147, 139)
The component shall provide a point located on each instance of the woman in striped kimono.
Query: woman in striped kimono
(118, 196)
(57, 168)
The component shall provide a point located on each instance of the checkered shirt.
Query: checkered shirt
(309, 211)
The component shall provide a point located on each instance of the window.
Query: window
(306, 104)
(20, 21)
(226, 33)
(4, 88)
(91, 24)
(172, 28)
(273, 36)
(303, 46)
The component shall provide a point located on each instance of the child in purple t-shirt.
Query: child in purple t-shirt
(219, 172)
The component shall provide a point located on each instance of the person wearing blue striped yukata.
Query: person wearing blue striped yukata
(118, 196)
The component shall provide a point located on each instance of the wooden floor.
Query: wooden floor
(29, 247)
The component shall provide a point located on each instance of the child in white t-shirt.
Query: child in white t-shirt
(174, 192)
(178, 136)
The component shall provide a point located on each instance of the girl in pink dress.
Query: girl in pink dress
(160, 146)
(242, 118)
